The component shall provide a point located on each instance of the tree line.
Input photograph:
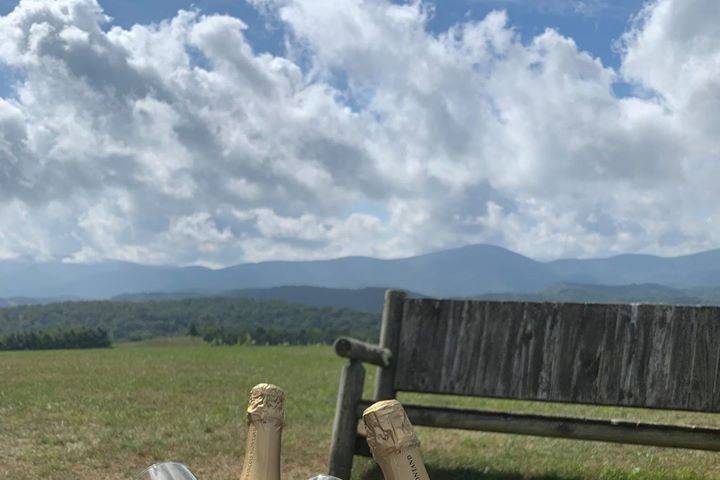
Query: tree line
(215, 335)
(218, 320)
(56, 338)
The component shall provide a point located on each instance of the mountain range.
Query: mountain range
(369, 299)
(461, 272)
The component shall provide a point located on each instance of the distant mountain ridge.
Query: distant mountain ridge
(15, 301)
(372, 299)
(461, 272)
(363, 299)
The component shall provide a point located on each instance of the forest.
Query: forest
(55, 338)
(218, 320)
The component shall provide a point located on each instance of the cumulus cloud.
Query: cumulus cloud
(178, 143)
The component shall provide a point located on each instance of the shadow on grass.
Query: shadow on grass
(469, 474)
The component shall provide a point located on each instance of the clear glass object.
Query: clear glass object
(167, 471)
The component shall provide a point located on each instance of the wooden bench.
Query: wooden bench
(652, 356)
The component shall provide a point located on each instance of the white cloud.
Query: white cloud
(177, 143)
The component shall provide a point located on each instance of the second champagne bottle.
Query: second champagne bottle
(393, 442)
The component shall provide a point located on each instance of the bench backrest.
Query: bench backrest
(655, 356)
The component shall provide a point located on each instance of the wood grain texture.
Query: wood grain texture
(616, 431)
(357, 350)
(656, 356)
(389, 339)
(342, 444)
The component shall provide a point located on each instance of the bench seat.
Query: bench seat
(648, 356)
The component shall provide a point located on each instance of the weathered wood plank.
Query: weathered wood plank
(657, 356)
(365, 352)
(564, 427)
(389, 339)
(342, 444)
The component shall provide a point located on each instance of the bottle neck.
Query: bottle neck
(262, 454)
(403, 464)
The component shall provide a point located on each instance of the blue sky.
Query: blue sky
(595, 27)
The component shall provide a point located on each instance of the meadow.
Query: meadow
(107, 414)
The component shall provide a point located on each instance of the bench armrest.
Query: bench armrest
(356, 350)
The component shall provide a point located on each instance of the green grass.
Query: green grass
(109, 413)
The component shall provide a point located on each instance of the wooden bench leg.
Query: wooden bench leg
(342, 447)
(390, 340)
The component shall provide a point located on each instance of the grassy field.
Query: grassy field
(107, 414)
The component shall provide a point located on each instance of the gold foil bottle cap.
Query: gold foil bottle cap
(388, 428)
(267, 403)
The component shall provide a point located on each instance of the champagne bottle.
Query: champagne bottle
(393, 442)
(265, 414)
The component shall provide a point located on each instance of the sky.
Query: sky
(219, 132)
